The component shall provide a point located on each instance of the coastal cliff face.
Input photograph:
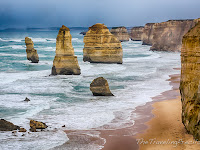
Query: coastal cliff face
(167, 36)
(31, 52)
(136, 33)
(121, 33)
(190, 79)
(147, 36)
(65, 63)
(101, 46)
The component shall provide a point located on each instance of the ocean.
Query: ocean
(67, 100)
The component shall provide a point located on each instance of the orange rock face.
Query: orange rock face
(101, 46)
(190, 79)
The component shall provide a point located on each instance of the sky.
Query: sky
(85, 13)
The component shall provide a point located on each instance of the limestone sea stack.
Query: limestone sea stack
(65, 63)
(190, 81)
(100, 87)
(136, 33)
(147, 36)
(121, 33)
(31, 52)
(101, 46)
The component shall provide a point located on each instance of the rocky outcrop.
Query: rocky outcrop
(190, 81)
(101, 46)
(65, 63)
(7, 126)
(37, 125)
(100, 87)
(31, 52)
(121, 33)
(136, 33)
(147, 36)
(27, 99)
(167, 36)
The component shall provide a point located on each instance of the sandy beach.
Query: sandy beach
(165, 129)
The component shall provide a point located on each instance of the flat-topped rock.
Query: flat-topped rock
(100, 87)
(121, 33)
(65, 63)
(101, 46)
(31, 52)
(136, 33)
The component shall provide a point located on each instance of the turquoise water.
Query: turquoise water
(67, 100)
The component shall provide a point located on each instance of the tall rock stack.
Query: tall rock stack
(101, 46)
(136, 33)
(65, 63)
(190, 81)
(121, 33)
(31, 52)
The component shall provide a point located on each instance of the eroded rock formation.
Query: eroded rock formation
(37, 125)
(100, 87)
(7, 126)
(65, 63)
(167, 36)
(147, 36)
(121, 33)
(31, 52)
(190, 81)
(101, 46)
(136, 33)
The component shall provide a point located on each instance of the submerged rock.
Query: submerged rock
(22, 130)
(190, 81)
(83, 33)
(100, 87)
(7, 126)
(37, 125)
(65, 63)
(101, 46)
(31, 52)
(121, 33)
(136, 33)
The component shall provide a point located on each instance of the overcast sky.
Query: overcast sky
(77, 13)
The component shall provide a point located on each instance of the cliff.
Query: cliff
(136, 33)
(190, 79)
(147, 36)
(31, 52)
(167, 36)
(65, 63)
(121, 33)
(101, 46)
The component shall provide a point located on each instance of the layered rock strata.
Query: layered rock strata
(31, 52)
(136, 33)
(190, 81)
(167, 36)
(100, 87)
(121, 33)
(65, 63)
(101, 46)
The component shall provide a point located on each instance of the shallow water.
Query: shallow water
(67, 100)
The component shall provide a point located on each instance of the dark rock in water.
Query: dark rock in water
(37, 125)
(63, 126)
(27, 99)
(100, 87)
(22, 130)
(83, 33)
(7, 126)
